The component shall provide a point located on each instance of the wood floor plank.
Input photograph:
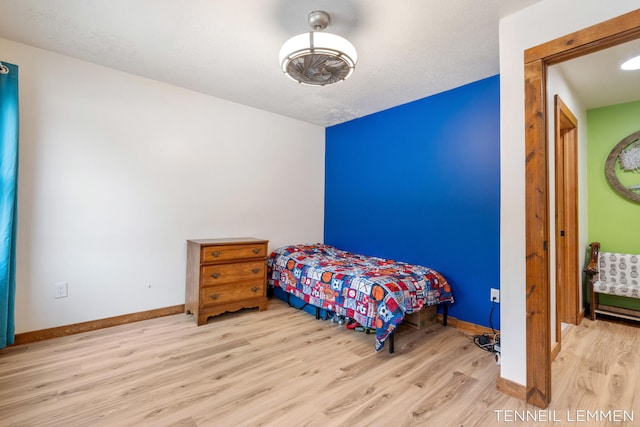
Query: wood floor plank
(281, 367)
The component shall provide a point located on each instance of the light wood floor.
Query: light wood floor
(281, 367)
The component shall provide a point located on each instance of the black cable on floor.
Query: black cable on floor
(485, 341)
(493, 304)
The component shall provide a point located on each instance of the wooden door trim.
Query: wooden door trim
(536, 60)
(566, 172)
(592, 39)
(564, 114)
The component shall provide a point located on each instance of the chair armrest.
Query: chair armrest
(592, 266)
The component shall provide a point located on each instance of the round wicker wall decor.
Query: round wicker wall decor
(624, 158)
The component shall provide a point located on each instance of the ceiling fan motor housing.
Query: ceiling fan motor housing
(318, 58)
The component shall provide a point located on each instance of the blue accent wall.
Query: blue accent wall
(420, 183)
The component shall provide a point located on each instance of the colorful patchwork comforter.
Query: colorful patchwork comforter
(373, 291)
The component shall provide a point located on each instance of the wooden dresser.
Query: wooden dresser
(225, 275)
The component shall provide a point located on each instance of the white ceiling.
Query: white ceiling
(598, 79)
(407, 49)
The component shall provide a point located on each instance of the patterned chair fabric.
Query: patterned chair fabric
(618, 274)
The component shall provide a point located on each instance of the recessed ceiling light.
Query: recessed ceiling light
(631, 64)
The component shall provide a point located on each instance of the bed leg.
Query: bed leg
(392, 340)
(317, 313)
(445, 313)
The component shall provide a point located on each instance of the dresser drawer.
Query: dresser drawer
(223, 253)
(226, 273)
(211, 296)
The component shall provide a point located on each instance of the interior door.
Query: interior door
(566, 189)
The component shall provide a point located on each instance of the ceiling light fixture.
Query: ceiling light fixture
(318, 58)
(631, 64)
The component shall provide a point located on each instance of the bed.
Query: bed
(375, 292)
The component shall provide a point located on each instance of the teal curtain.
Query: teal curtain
(9, 199)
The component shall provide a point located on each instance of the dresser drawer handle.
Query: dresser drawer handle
(255, 289)
(215, 275)
(216, 253)
(256, 251)
(214, 296)
(256, 270)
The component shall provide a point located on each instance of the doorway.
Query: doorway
(538, 328)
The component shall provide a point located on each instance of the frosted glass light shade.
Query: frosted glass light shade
(631, 64)
(318, 58)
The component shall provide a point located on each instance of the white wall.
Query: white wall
(537, 24)
(118, 171)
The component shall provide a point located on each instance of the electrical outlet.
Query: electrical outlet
(61, 290)
(495, 295)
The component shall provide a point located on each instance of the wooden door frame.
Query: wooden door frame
(536, 60)
(566, 173)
